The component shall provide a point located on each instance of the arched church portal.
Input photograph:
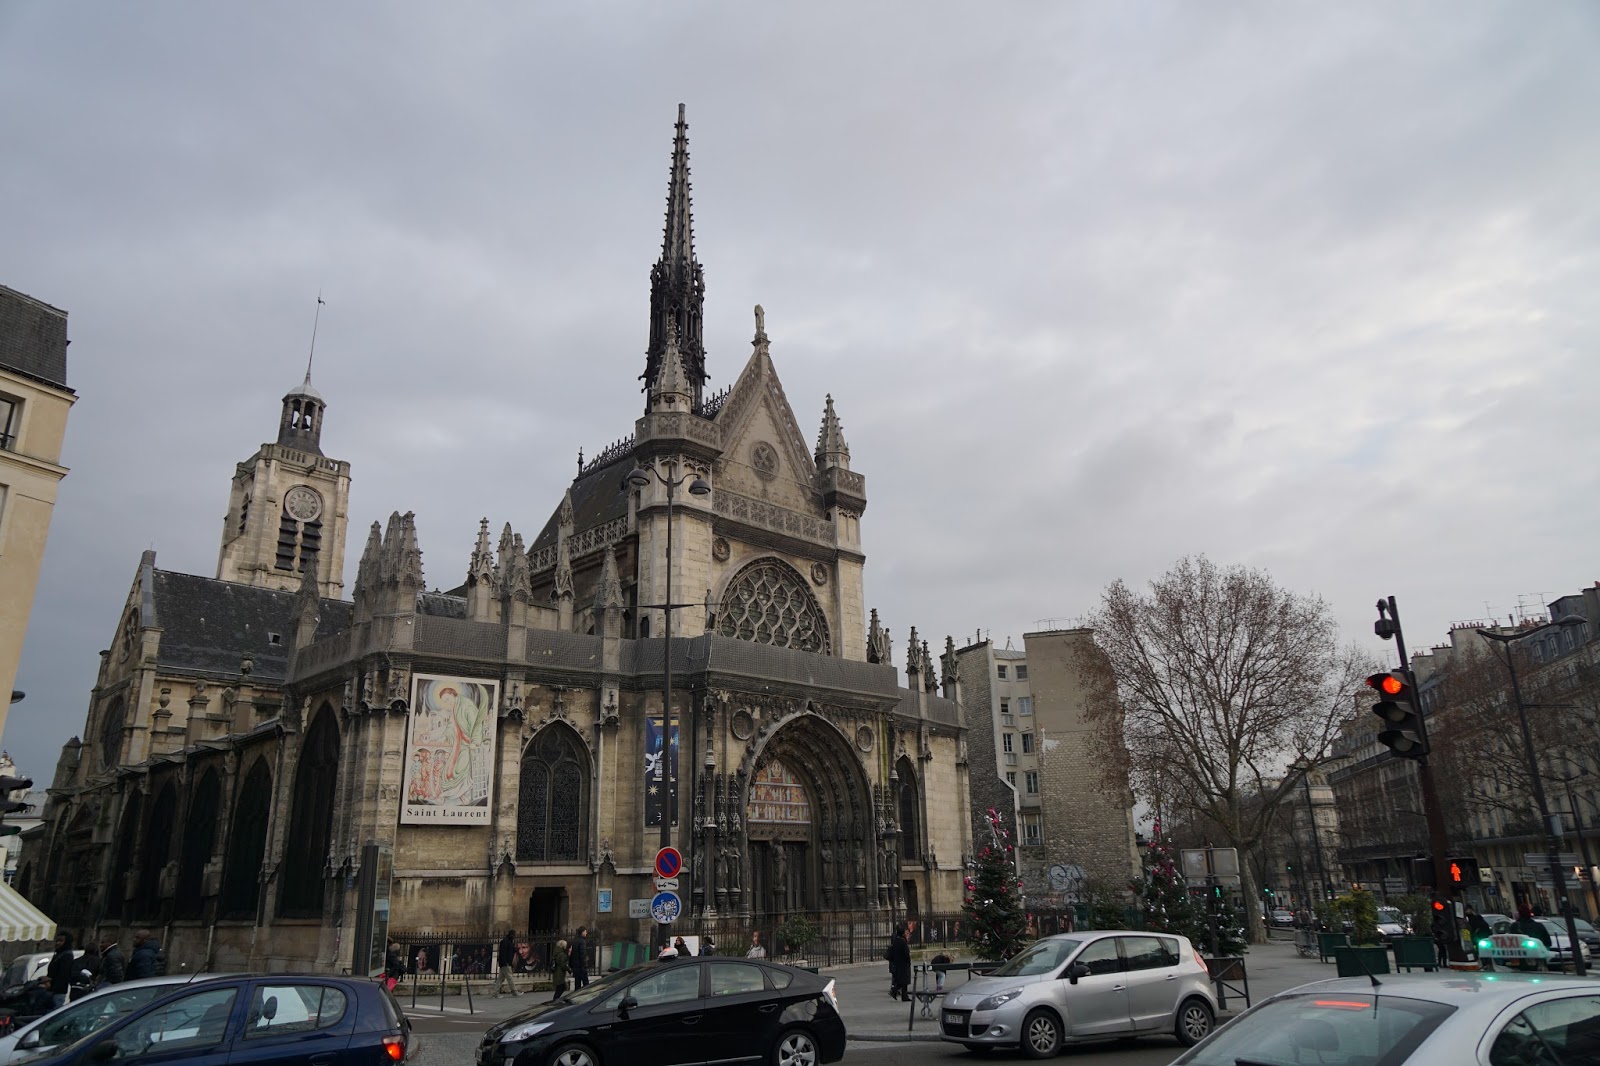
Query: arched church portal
(809, 822)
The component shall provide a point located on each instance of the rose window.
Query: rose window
(768, 603)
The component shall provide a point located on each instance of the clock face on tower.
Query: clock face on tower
(302, 503)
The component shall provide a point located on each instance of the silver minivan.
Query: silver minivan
(1084, 986)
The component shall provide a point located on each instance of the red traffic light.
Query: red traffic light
(1438, 906)
(1388, 684)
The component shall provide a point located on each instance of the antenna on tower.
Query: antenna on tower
(316, 318)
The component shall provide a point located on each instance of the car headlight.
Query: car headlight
(998, 998)
(523, 1032)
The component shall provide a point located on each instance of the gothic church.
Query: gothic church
(268, 771)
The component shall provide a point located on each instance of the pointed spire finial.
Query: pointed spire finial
(831, 447)
(677, 285)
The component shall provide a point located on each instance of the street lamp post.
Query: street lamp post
(1583, 841)
(639, 477)
(1552, 852)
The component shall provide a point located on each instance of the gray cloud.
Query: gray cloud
(1093, 286)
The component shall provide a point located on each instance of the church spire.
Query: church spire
(831, 448)
(677, 286)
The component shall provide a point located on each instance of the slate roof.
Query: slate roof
(207, 626)
(33, 338)
(596, 497)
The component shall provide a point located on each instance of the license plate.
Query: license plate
(952, 1019)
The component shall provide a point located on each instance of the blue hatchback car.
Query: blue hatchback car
(262, 1020)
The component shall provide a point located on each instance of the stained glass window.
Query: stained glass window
(551, 798)
(768, 603)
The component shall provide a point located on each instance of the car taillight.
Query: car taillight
(1200, 960)
(395, 1046)
(833, 997)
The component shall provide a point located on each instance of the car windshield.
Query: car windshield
(88, 1016)
(1389, 914)
(1583, 926)
(17, 972)
(1329, 1027)
(1041, 957)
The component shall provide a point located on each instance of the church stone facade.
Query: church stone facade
(263, 759)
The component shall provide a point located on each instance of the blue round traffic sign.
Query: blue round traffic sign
(668, 862)
(665, 907)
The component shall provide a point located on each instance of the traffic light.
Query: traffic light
(8, 806)
(1404, 733)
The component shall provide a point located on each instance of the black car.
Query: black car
(264, 1020)
(675, 1012)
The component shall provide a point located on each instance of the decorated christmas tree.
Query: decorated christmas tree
(1168, 907)
(996, 924)
(1171, 905)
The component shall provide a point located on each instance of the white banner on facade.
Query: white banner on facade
(449, 750)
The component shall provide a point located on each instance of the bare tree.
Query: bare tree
(1212, 692)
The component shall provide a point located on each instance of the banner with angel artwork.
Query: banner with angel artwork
(449, 750)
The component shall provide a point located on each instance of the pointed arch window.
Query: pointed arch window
(909, 810)
(552, 798)
(127, 841)
(157, 850)
(199, 838)
(768, 603)
(112, 722)
(247, 844)
(315, 783)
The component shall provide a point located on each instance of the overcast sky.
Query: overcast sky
(1303, 286)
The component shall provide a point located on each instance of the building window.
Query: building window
(1005, 706)
(1022, 672)
(1024, 705)
(157, 850)
(247, 844)
(1030, 830)
(910, 826)
(1566, 639)
(1007, 720)
(1032, 779)
(1027, 743)
(768, 603)
(550, 797)
(111, 727)
(1011, 758)
(1538, 651)
(1006, 741)
(316, 778)
(1002, 670)
(10, 422)
(1011, 778)
(199, 837)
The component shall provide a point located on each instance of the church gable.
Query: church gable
(764, 453)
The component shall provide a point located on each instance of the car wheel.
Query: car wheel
(795, 1047)
(1041, 1035)
(573, 1055)
(1194, 1022)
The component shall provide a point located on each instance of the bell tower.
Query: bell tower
(287, 509)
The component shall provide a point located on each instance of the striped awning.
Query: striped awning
(21, 920)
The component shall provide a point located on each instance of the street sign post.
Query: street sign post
(666, 884)
(668, 862)
(665, 907)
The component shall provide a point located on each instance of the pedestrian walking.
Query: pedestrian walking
(113, 967)
(756, 950)
(579, 958)
(148, 959)
(61, 969)
(899, 958)
(507, 958)
(681, 948)
(1441, 942)
(558, 971)
(394, 966)
(1528, 925)
(707, 947)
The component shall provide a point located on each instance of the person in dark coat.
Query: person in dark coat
(146, 960)
(899, 956)
(1529, 926)
(1477, 926)
(394, 966)
(579, 958)
(1441, 941)
(507, 958)
(558, 971)
(61, 969)
(113, 967)
(86, 973)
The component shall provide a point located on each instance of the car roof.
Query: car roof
(1482, 990)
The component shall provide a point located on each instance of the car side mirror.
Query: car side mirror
(104, 1051)
(29, 1041)
(269, 1009)
(628, 1003)
(1077, 970)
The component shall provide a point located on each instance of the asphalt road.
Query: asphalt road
(441, 1042)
